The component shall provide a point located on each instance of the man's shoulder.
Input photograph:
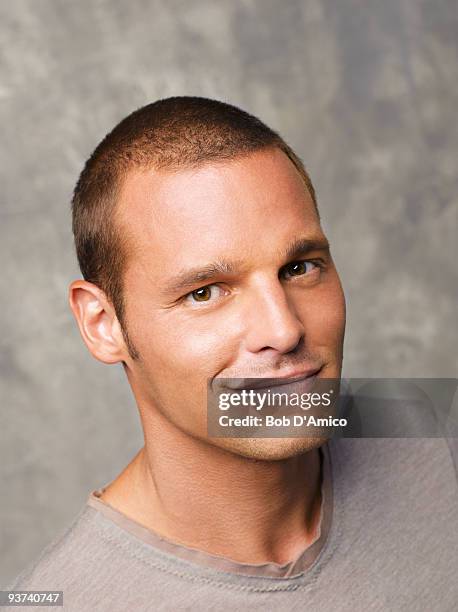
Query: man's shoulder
(402, 459)
(396, 484)
(67, 558)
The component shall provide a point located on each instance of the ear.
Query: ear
(97, 322)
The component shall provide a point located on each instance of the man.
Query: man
(198, 236)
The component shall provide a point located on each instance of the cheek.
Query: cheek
(188, 347)
(323, 315)
(178, 359)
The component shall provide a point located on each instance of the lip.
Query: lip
(273, 380)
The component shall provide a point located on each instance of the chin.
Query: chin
(272, 449)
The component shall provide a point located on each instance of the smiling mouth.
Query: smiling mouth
(307, 377)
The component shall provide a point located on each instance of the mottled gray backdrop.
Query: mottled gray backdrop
(366, 91)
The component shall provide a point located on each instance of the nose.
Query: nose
(271, 322)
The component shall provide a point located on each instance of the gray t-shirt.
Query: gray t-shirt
(387, 540)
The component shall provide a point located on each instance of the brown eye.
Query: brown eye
(299, 268)
(202, 295)
(211, 294)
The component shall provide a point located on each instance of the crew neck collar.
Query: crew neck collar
(291, 569)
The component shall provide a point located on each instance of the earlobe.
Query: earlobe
(97, 322)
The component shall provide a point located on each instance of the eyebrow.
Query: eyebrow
(302, 246)
(202, 274)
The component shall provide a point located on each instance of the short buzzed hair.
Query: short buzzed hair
(173, 133)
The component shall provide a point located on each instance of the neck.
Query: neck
(204, 497)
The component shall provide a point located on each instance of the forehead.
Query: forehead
(243, 206)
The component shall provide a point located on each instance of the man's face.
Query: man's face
(230, 276)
